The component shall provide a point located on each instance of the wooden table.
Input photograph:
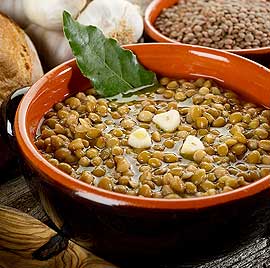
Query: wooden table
(23, 235)
(15, 193)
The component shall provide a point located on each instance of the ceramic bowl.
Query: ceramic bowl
(261, 55)
(122, 227)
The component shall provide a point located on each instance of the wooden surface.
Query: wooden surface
(15, 193)
(16, 227)
(21, 235)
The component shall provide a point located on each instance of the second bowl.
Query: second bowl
(261, 55)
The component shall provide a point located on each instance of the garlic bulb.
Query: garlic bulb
(116, 18)
(141, 3)
(52, 45)
(48, 13)
(42, 20)
(14, 9)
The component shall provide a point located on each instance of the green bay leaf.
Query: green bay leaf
(111, 69)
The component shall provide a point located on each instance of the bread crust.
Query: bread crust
(16, 65)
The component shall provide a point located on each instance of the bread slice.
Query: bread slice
(19, 62)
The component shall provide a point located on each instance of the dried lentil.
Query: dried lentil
(218, 24)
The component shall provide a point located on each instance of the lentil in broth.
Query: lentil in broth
(183, 139)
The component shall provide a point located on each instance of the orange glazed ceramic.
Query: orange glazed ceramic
(119, 226)
(155, 8)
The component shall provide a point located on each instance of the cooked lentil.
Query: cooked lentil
(226, 24)
(92, 144)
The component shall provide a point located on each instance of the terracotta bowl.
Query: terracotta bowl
(119, 226)
(154, 9)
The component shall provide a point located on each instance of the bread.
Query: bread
(19, 62)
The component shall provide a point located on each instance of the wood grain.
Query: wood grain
(16, 193)
(21, 235)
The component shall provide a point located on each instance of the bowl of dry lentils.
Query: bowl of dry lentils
(238, 26)
(191, 154)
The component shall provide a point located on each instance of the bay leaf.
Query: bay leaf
(111, 68)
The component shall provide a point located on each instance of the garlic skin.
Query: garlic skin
(42, 20)
(119, 19)
(15, 10)
(48, 13)
(140, 138)
(52, 46)
(141, 3)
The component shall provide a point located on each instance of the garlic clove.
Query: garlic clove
(140, 138)
(168, 121)
(48, 13)
(190, 146)
(119, 19)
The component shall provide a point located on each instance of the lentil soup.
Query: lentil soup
(184, 139)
